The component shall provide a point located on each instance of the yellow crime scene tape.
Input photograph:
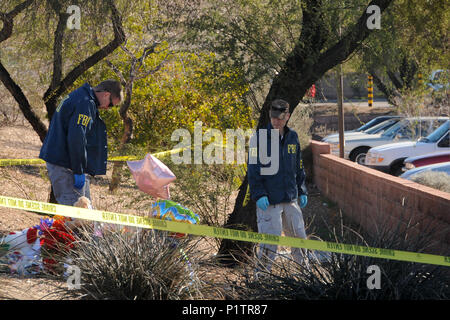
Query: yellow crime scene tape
(203, 230)
(20, 162)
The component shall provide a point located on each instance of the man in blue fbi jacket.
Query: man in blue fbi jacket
(277, 182)
(76, 143)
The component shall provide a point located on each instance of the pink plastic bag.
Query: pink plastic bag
(152, 176)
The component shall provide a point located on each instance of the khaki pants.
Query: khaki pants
(285, 217)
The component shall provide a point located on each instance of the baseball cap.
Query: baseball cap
(278, 112)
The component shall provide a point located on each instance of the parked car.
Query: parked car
(383, 126)
(389, 157)
(439, 79)
(425, 160)
(443, 167)
(375, 123)
(408, 129)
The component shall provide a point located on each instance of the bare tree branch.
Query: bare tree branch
(7, 80)
(23, 103)
(117, 72)
(51, 95)
(8, 18)
(353, 39)
(58, 43)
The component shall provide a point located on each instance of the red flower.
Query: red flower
(31, 235)
(55, 242)
(50, 264)
(55, 239)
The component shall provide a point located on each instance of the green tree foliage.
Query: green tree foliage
(258, 36)
(35, 38)
(189, 87)
(414, 38)
(313, 48)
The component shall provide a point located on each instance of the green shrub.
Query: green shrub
(208, 190)
(344, 277)
(143, 265)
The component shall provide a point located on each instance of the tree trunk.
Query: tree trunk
(408, 70)
(135, 67)
(39, 127)
(242, 218)
(388, 93)
(126, 137)
(6, 79)
(58, 86)
(304, 66)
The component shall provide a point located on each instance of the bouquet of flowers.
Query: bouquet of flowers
(56, 241)
(20, 252)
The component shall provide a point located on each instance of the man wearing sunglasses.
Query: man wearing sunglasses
(76, 144)
(280, 196)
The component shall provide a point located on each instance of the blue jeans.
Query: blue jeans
(62, 183)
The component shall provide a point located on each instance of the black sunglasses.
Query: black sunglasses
(110, 101)
(279, 109)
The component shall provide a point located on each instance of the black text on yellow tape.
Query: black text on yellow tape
(202, 230)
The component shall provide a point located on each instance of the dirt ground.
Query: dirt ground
(330, 108)
(30, 182)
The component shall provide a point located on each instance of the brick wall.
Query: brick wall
(372, 198)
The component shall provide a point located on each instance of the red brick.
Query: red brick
(368, 195)
(320, 147)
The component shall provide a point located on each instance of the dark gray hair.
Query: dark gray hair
(280, 103)
(112, 86)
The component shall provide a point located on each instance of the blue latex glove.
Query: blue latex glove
(79, 180)
(303, 201)
(263, 203)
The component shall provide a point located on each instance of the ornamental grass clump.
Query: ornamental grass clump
(134, 265)
(432, 179)
(348, 277)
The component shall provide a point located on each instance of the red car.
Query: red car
(419, 161)
(311, 92)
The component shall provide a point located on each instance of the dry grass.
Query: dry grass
(432, 179)
(345, 277)
(30, 182)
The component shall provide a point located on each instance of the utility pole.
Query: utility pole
(370, 90)
(340, 96)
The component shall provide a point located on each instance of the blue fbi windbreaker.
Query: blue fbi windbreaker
(77, 138)
(289, 180)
